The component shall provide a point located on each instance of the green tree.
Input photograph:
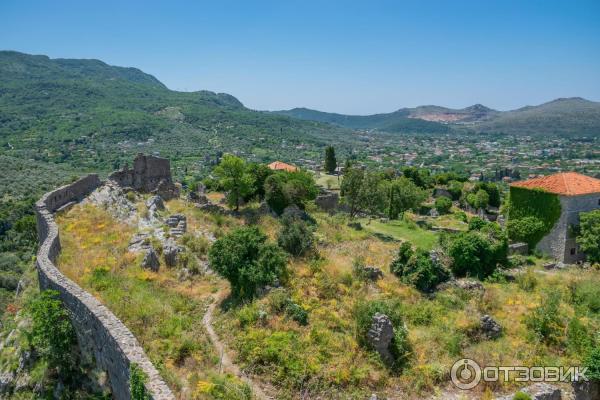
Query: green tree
(455, 188)
(420, 177)
(283, 189)
(482, 199)
(402, 195)
(351, 189)
(235, 179)
(247, 261)
(443, 204)
(259, 173)
(52, 334)
(589, 235)
(372, 195)
(330, 160)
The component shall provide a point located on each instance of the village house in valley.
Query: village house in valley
(577, 193)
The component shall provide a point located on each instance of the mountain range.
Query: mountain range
(564, 116)
(86, 114)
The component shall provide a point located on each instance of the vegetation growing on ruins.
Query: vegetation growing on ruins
(532, 214)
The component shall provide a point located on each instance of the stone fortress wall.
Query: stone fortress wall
(99, 332)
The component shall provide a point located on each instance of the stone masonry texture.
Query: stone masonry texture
(100, 333)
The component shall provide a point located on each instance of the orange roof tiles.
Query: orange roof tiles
(564, 183)
(278, 165)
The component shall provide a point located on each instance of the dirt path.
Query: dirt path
(226, 363)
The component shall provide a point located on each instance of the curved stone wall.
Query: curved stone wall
(99, 332)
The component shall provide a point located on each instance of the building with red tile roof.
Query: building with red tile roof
(563, 183)
(281, 166)
(577, 193)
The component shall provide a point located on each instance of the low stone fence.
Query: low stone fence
(99, 332)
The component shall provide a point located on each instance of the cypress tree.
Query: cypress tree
(330, 161)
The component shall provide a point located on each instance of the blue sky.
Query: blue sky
(350, 57)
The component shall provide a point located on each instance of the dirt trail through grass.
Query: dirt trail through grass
(227, 365)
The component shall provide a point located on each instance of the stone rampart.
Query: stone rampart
(99, 332)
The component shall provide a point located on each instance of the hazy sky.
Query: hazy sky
(349, 57)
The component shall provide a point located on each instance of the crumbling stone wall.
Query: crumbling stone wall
(99, 332)
(149, 174)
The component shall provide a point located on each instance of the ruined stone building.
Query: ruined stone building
(149, 174)
(577, 193)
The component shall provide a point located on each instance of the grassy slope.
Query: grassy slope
(322, 357)
(163, 313)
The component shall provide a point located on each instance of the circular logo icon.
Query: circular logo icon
(466, 374)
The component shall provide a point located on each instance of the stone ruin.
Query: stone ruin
(149, 174)
(380, 336)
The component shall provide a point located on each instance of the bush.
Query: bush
(247, 261)
(295, 236)
(546, 320)
(363, 317)
(52, 334)
(443, 205)
(417, 268)
(477, 253)
(476, 223)
(527, 229)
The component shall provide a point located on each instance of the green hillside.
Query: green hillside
(566, 117)
(397, 121)
(89, 115)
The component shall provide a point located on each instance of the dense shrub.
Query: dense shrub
(476, 223)
(443, 204)
(417, 268)
(477, 253)
(247, 261)
(528, 229)
(52, 334)
(363, 317)
(295, 236)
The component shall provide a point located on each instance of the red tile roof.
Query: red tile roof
(278, 165)
(564, 183)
